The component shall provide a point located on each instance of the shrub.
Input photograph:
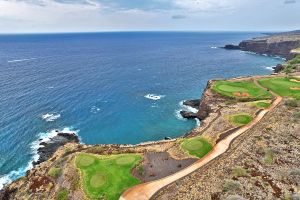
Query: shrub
(141, 170)
(296, 115)
(54, 172)
(231, 185)
(291, 103)
(269, 156)
(239, 171)
(62, 194)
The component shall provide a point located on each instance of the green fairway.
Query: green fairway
(107, 176)
(283, 86)
(240, 119)
(240, 90)
(196, 146)
(261, 104)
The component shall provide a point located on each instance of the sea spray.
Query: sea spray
(35, 145)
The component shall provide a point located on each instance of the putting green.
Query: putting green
(240, 119)
(98, 180)
(107, 176)
(283, 86)
(240, 90)
(197, 146)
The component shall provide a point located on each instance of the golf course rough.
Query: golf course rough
(197, 146)
(240, 119)
(283, 86)
(107, 176)
(240, 90)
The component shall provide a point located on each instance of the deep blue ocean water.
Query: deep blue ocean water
(96, 84)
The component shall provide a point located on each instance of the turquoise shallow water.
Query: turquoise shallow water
(97, 84)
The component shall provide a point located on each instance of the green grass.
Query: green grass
(283, 86)
(54, 172)
(197, 146)
(240, 119)
(261, 104)
(107, 176)
(240, 90)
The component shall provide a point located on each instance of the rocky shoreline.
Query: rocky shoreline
(47, 149)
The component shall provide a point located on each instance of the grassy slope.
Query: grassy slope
(228, 88)
(107, 176)
(196, 146)
(281, 86)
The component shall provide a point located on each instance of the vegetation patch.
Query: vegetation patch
(239, 172)
(107, 176)
(197, 146)
(54, 172)
(231, 185)
(283, 86)
(261, 104)
(62, 194)
(269, 156)
(240, 119)
(240, 90)
(292, 103)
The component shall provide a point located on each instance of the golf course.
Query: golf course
(106, 177)
(283, 86)
(197, 146)
(240, 90)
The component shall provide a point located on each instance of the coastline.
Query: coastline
(203, 113)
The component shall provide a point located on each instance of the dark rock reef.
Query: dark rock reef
(47, 149)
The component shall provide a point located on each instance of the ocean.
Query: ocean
(125, 87)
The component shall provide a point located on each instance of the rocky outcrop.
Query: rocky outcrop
(204, 108)
(188, 115)
(192, 103)
(232, 47)
(274, 45)
(278, 68)
(47, 149)
(201, 105)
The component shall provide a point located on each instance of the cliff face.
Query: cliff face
(275, 45)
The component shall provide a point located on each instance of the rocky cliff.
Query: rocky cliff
(275, 45)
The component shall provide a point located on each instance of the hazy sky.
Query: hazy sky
(130, 15)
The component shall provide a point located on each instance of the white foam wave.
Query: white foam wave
(187, 108)
(50, 117)
(184, 108)
(270, 68)
(21, 60)
(214, 47)
(154, 97)
(95, 109)
(42, 137)
(198, 122)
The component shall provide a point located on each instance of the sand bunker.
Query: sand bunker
(240, 94)
(295, 80)
(295, 88)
